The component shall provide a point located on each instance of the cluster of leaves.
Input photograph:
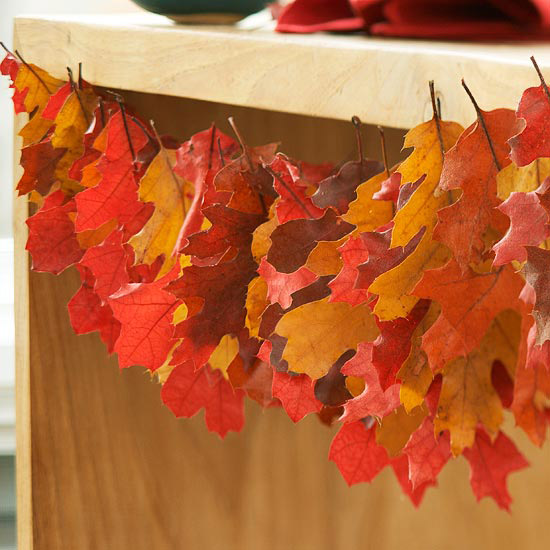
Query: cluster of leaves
(408, 304)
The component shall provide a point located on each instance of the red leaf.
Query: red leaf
(373, 401)
(52, 240)
(185, 389)
(295, 391)
(280, 286)
(532, 141)
(356, 453)
(108, 262)
(115, 197)
(427, 453)
(400, 466)
(145, 312)
(490, 465)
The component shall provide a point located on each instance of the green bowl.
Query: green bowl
(189, 7)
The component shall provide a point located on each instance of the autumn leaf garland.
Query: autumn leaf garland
(409, 305)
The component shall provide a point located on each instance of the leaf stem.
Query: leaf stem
(356, 121)
(33, 72)
(483, 125)
(212, 141)
(75, 90)
(437, 117)
(80, 75)
(120, 100)
(241, 142)
(296, 198)
(220, 151)
(384, 151)
(542, 81)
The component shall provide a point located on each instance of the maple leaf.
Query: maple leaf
(198, 160)
(467, 394)
(528, 225)
(461, 226)
(281, 286)
(400, 466)
(187, 391)
(415, 373)
(462, 323)
(354, 252)
(418, 204)
(39, 162)
(293, 241)
(537, 274)
(115, 196)
(108, 264)
(532, 142)
(52, 241)
(373, 401)
(88, 313)
(367, 212)
(356, 453)
(396, 428)
(490, 465)
(295, 391)
(427, 453)
(166, 190)
(334, 328)
(145, 312)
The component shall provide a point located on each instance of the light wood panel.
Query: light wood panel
(110, 467)
(384, 81)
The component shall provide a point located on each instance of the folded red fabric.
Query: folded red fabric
(445, 19)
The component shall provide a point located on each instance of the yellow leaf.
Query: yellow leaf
(355, 385)
(224, 354)
(261, 241)
(256, 302)
(93, 237)
(420, 211)
(41, 86)
(73, 119)
(415, 373)
(522, 179)
(318, 333)
(163, 187)
(425, 160)
(325, 259)
(397, 427)
(365, 212)
(467, 394)
(393, 286)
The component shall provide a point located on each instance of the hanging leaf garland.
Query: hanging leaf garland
(409, 305)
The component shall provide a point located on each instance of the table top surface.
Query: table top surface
(384, 81)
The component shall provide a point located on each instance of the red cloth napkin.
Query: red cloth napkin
(445, 19)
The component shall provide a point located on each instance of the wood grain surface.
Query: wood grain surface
(384, 81)
(106, 466)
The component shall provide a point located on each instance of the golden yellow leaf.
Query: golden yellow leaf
(93, 237)
(256, 302)
(393, 286)
(318, 333)
(420, 211)
(395, 429)
(365, 212)
(163, 187)
(261, 241)
(224, 354)
(415, 373)
(522, 178)
(355, 385)
(467, 394)
(425, 160)
(325, 259)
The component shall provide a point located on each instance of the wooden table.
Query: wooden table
(100, 462)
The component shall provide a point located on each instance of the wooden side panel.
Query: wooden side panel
(112, 468)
